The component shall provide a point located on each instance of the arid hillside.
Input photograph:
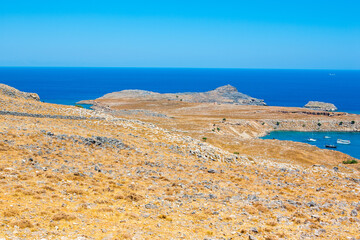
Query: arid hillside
(235, 128)
(72, 173)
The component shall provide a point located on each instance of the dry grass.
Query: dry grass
(63, 216)
(23, 224)
(70, 199)
(11, 213)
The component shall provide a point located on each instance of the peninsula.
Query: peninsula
(221, 95)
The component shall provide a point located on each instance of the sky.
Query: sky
(282, 34)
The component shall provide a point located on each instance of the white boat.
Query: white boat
(327, 137)
(311, 140)
(341, 141)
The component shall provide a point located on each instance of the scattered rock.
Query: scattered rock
(354, 213)
(252, 237)
(151, 206)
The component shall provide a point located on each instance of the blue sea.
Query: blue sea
(276, 87)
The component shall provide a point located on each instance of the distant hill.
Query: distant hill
(226, 94)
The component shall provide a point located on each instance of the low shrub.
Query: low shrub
(353, 161)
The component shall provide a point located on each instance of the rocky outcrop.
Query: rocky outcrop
(225, 94)
(222, 95)
(14, 93)
(321, 106)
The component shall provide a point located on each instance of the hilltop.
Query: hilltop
(72, 173)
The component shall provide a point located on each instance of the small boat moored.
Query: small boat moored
(330, 146)
(327, 137)
(311, 140)
(341, 141)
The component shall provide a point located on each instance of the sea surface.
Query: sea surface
(276, 87)
(352, 149)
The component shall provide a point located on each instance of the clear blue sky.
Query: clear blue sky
(314, 34)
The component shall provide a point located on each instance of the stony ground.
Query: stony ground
(102, 177)
(236, 128)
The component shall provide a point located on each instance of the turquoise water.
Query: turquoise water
(353, 149)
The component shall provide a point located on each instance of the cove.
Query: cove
(352, 149)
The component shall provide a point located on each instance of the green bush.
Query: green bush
(204, 139)
(352, 122)
(237, 153)
(353, 161)
(218, 129)
(277, 123)
(319, 124)
(341, 123)
(224, 119)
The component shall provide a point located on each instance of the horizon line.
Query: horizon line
(244, 68)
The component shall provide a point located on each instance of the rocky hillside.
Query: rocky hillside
(72, 173)
(14, 93)
(225, 94)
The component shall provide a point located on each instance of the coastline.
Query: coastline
(236, 128)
